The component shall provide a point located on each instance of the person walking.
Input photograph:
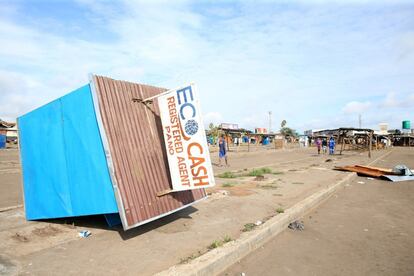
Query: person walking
(318, 144)
(331, 145)
(324, 145)
(222, 150)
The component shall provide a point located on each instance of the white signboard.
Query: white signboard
(185, 139)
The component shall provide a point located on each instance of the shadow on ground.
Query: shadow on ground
(99, 222)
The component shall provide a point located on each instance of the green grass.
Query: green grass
(218, 243)
(259, 172)
(227, 239)
(248, 227)
(227, 175)
(227, 184)
(280, 210)
(215, 244)
(276, 172)
(268, 186)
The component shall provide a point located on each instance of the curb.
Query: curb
(217, 260)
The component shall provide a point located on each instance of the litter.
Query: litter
(84, 233)
(259, 222)
(361, 182)
(398, 173)
(297, 225)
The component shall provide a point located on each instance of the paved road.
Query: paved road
(364, 229)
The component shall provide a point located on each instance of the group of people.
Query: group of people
(323, 144)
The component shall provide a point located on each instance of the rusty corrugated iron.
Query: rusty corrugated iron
(132, 136)
(366, 170)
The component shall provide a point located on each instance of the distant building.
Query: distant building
(8, 129)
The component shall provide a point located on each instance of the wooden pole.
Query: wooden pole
(248, 143)
(370, 143)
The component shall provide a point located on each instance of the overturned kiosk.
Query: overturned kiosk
(128, 151)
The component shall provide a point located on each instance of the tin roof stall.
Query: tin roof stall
(95, 151)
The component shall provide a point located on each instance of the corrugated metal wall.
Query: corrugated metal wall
(137, 152)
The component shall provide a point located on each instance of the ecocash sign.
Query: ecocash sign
(185, 140)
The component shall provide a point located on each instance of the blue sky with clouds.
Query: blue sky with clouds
(317, 64)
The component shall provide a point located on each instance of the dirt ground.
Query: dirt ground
(53, 247)
(10, 178)
(366, 228)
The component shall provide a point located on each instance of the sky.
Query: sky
(315, 64)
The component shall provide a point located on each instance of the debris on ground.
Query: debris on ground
(297, 225)
(398, 173)
(259, 222)
(361, 182)
(328, 160)
(219, 194)
(84, 233)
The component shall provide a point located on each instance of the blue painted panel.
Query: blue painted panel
(63, 160)
(2, 141)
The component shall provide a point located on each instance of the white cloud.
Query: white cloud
(213, 117)
(356, 107)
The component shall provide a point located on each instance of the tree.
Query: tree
(287, 131)
(213, 130)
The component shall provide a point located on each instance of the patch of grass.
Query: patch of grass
(268, 186)
(189, 258)
(277, 172)
(227, 184)
(259, 172)
(280, 210)
(215, 244)
(227, 175)
(218, 243)
(298, 183)
(227, 239)
(248, 227)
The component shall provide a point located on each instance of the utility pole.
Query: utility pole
(360, 120)
(270, 121)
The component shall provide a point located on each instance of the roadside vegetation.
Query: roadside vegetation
(253, 172)
(218, 243)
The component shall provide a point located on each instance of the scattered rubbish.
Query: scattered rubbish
(361, 182)
(328, 160)
(297, 225)
(365, 230)
(398, 178)
(259, 222)
(242, 274)
(365, 170)
(84, 233)
(402, 170)
(219, 194)
(398, 173)
(370, 178)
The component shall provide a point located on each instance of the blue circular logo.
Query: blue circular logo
(191, 127)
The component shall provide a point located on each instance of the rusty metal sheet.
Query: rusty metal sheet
(133, 141)
(361, 170)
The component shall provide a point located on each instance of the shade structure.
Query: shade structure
(96, 151)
